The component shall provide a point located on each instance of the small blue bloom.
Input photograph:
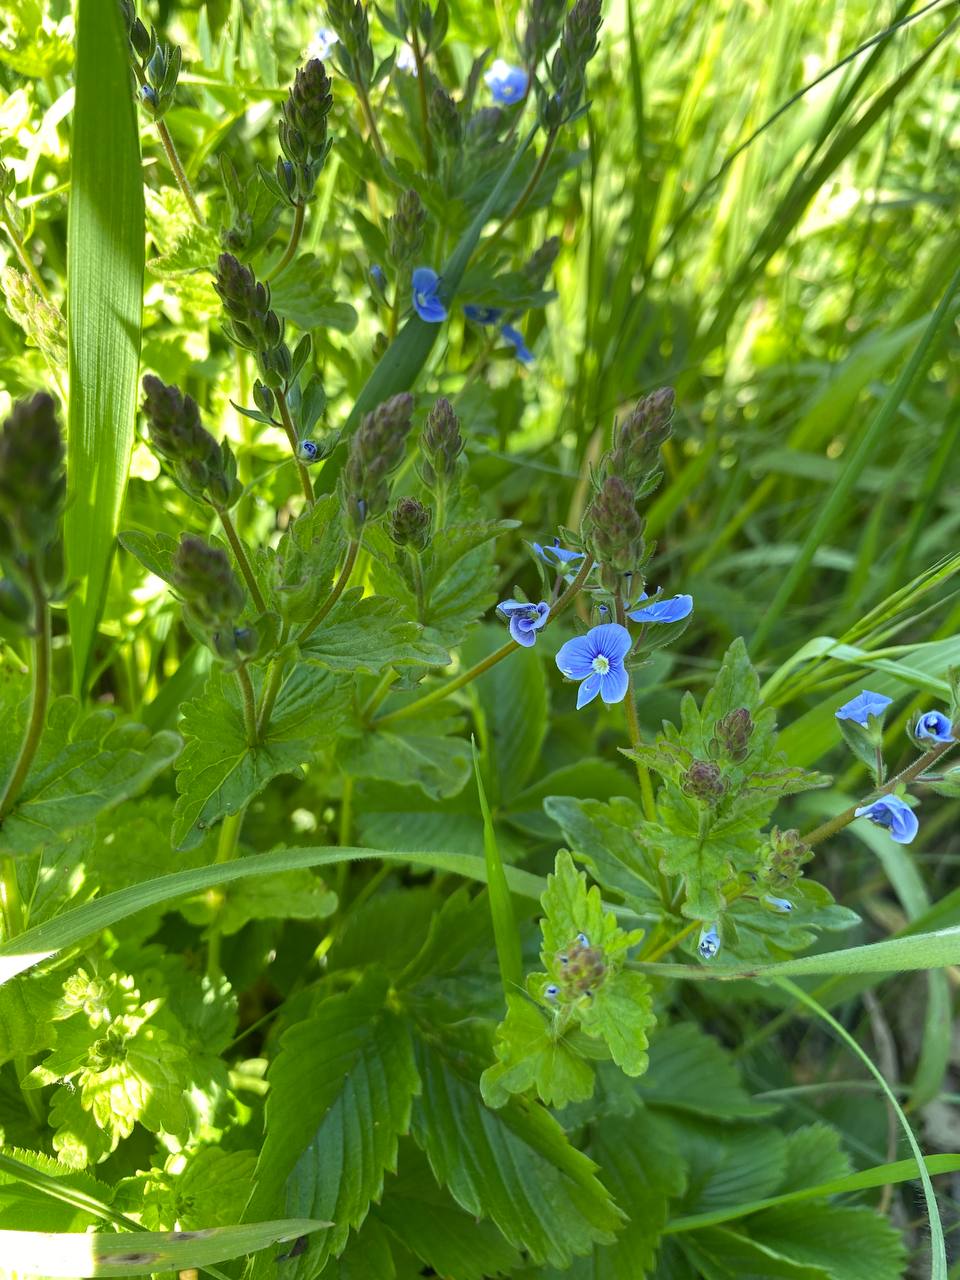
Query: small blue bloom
(596, 659)
(863, 706)
(482, 315)
(507, 84)
(778, 904)
(556, 555)
(149, 96)
(708, 944)
(427, 305)
(307, 451)
(935, 727)
(672, 610)
(893, 814)
(525, 619)
(551, 991)
(515, 338)
(378, 277)
(326, 38)
(583, 940)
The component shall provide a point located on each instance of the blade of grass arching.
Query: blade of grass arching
(505, 932)
(938, 1255)
(45, 940)
(861, 454)
(105, 253)
(802, 190)
(882, 1175)
(400, 364)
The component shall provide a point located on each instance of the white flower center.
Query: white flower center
(601, 664)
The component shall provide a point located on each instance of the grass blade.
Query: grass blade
(105, 253)
(501, 908)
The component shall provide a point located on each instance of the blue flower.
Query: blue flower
(672, 610)
(935, 727)
(892, 813)
(556, 555)
(507, 84)
(708, 944)
(324, 41)
(426, 304)
(525, 619)
(406, 60)
(307, 451)
(863, 706)
(378, 277)
(482, 315)
(515, 338)
(778, 904)
(596, 659)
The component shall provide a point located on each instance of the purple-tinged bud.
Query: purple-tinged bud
(440, 445)
(376, 451)
(732, 735)
(614, 531)
(405, 230)
(409, 524)
(704, 782)
(203, 576)
(32, 483)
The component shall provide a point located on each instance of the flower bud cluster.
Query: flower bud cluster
(158, 65)
(32, 489)
(782, 860)
(579, 969)
(614, 531)
(543, 26)
(213, 598)
(409, 524)
(440, 446)
(405, 229)
(376, 451)
(204, 469)
(568, 67)
(303, 135)
(703, 781)
(731, 736)
(250, 321)
(353, 49)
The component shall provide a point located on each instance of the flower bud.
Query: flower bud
(204, 468)
(32, 483)
(614, 530)
(732, 735)
(637, 441)
(303, 130)
(444, 119)
(405, 229)
(440, 445)
(353, 51)
(247, 304)
(703, 781)
(376, 450)
(409, 524)
(485, 127)
(568, 68)
(213, 598)
(543, 26)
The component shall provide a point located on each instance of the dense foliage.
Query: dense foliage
(478, 672)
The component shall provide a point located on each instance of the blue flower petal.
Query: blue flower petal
(506, 83)
(425, 301)
(482, 315)
(575, 658)
(863, 706)
(614, 685)
(521, 635)
(672, 610)
(589, 689)
(934, 726)
(610, 639)
(515, 338)
(895, 815)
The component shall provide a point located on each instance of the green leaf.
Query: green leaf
(39, 1192)
(219, 772)
(534, 1053)
(422, 753)
(512, 699)
(691, 1073)
(305, 561)
(154, 551)
(210, 1189)
(814, 1155)
(606, 838)
(301, 295)
(341, 1089)
(855, 1242)
(29, 948)
(86, 764)
(505, 931)
(292, 895)
(728, 1165)
(721, 1254)
(105, 251)
(77, 1254)
(514, 1165)
(370, 633)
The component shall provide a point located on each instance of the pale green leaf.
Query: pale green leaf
(370, 633)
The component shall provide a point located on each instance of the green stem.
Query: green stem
(183, 182)
(249, 704)
(296, 231)
(378, 695)
(291, 431)
(346, 812)
(527, 193)
(21, 252)
(274, 683)
(243, 561)
(334, 595)
(227, 845)
(418, 585)
(465, 677)
(827, 829)
(41, 695)
(369, 117)
(422, 91)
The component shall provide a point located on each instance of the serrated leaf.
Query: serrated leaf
(301, 294)
(219, 772)
(514, 1166)
(303, 565)
(154, 551)
(606, 838)
(690, 1072)
(292, 895)
(534, 1053)
(728, 1165)
(814, 1155)
(87, 763)
(846, 1240)
(369, 634)
(341, 1089)
(422, 753)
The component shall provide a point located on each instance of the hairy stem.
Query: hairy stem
(369, 118)
(335, 593)
(291, 431)
(526, 194)
(465, 677)
(273, 686)
(249, 704)
(240, 552)
(183, 182)
(827, 829)
(296, 231)
(41, 695)
(422, 91)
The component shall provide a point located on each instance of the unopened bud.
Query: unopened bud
(376, 450)
(205, 579)
(614, 529)
(32, 483)
(703, 781)
(406, 228)
(732, 735)
(637, 441)
(440, 445)
(409, 524)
